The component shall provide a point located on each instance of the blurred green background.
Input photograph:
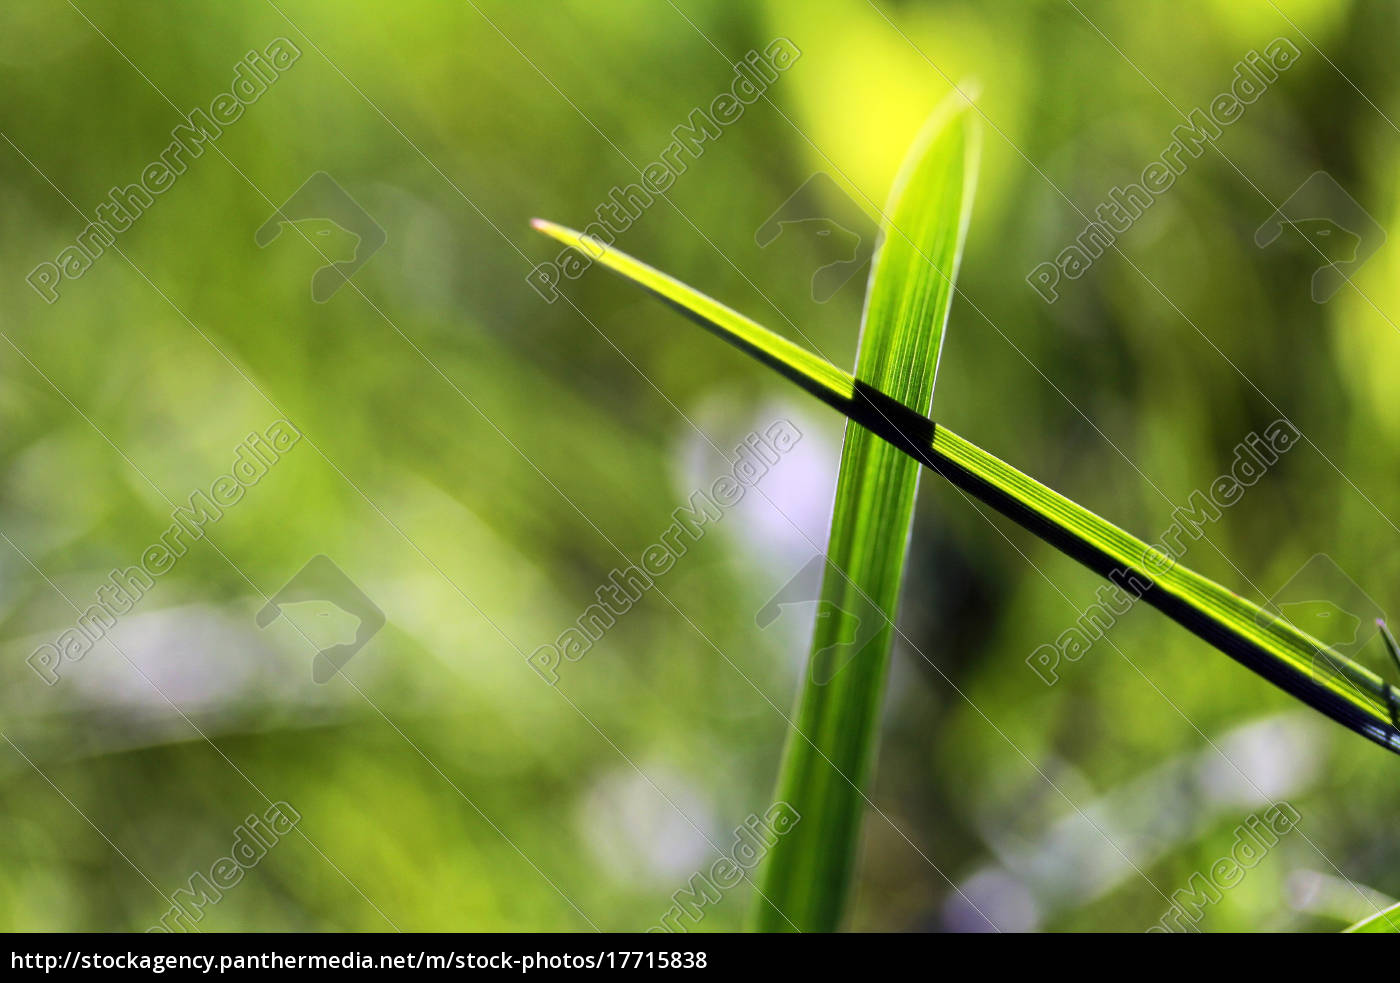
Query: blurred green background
(478, 461)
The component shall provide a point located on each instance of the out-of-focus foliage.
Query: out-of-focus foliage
(478, 462)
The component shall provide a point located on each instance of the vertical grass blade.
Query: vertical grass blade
(829, 756)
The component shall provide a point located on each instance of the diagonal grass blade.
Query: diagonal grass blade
(1381, 921)
(1296, 662)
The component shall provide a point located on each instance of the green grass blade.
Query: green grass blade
(816, 375)
(1303, 666)
(805, 879)
(1381, 921)
(1269, 645)
(827, 761)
